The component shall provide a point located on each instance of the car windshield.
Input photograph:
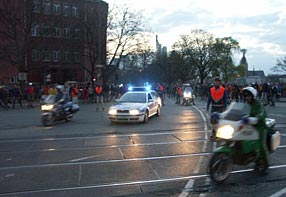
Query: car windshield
(236, 111)
(138, 97)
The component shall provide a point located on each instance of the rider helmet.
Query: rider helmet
(60, 88)
(250, 91)
(217, 78)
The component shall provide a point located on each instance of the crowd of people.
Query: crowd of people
(13, 96)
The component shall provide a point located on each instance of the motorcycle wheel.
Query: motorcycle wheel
(68, 116)
(220, 167)
(47, 120)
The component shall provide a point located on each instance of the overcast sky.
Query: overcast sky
(258, 25)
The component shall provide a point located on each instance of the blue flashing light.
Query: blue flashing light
(148, 88)
(130, 88)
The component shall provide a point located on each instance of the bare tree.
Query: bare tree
(15, 23)
(280, 65)
(197, 49)
(125, 30)
(94, 29)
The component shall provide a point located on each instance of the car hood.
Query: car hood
(127, 106)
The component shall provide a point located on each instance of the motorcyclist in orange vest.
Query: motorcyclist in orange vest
(217, 98)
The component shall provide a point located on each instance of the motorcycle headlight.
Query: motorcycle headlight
(187, 94)
(112, 112)
(134, 112)
(47, 107)
(225, 132)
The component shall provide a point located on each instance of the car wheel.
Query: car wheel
(158, 111)
(146, 117)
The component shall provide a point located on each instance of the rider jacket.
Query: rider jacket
(257, 110)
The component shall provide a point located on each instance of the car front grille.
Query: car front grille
(123, 111)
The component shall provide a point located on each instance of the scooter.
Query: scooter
(57, 111)
(241, 141)
(188, 98)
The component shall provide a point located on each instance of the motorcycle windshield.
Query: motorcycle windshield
(50, 99)
(236, 111)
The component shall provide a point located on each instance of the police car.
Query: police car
(136, 105)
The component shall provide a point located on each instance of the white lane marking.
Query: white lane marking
(84, 158)
(106, 161)
(132, 183)
(173, 131)
(191, 182)
(279, 193)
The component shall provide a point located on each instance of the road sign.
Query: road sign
(22, 76)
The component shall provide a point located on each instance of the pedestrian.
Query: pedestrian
(217, 99)
(179, 93)
(99, 96)
(16, 95)
(52, 90)
(30, 91)
(264, 95)
(273, 93)
(3, 98)
(85, 94)
(90, 94)
(74, 94)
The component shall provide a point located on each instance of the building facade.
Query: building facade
(57, 40)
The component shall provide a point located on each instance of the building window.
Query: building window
(76, 56)
(47, 7)
(35, 30)
(67, 32)
(35, 55)
(47, 57)
(75, 11)
(46, 31)
(57, 8)
(57, 55)
(36, 6)
(57, 32)
(76, 33)
(67, 56)
(66, 9)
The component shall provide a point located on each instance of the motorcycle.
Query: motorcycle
(241, 141)
(188, 97)
(57, 111)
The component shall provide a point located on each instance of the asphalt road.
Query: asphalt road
(91, 157)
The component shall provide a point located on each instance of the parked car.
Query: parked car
(135, 106)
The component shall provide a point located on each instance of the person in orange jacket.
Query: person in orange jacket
(99, 96)
(74, 94)
(179, 93)
(217, 99)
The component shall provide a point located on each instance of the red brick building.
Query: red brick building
(56, 40)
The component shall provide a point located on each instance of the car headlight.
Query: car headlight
(134, 112)
(112, 112)
(46, 107)
(225, 132)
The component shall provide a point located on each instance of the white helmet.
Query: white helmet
(60, 88)
(250, 90)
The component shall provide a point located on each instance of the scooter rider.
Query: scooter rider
(61, 97)
(257, 110)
